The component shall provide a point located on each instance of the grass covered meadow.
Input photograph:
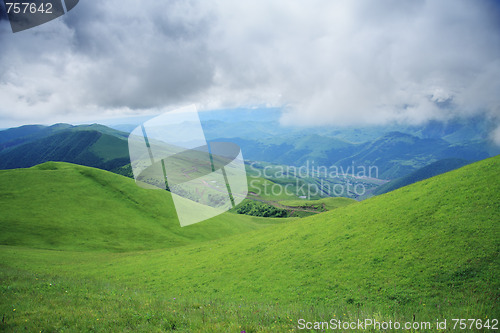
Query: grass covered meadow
(102, 255)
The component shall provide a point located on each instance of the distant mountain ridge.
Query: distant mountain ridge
(90, 145)
(394, 150)
(395, 154)
(13, 137)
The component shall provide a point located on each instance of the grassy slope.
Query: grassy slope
(396, 249)
(265, 189)
(69, 207)
(427, 171)
(429, 250)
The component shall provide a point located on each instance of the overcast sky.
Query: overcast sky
(323, 61)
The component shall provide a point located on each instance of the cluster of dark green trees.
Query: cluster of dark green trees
(255, 208)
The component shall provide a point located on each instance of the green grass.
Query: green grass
(426, 251)
(427, 171)
(265, 189)
(68, 207)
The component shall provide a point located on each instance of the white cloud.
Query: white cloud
(365, 62)
(325, 61)
(495, 136)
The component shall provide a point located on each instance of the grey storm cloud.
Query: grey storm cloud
(107, 56)
(325, 62)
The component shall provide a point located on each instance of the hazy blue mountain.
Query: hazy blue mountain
(396, 150)
(230, 122)
(19, 132)
(252, 130)
(90, 145)
(455, 130)
(296, 149)
(397, 154)
(13, 137)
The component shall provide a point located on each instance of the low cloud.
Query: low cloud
(325, 62)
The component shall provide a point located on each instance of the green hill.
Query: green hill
(423, 252)
(425, 172)
(69, 207)
(91, 145)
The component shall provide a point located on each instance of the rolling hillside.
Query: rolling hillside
(70, 207)
(429, 250)
(427, 171)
